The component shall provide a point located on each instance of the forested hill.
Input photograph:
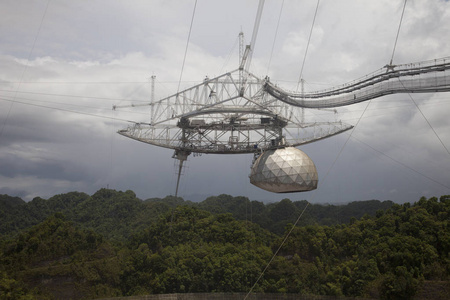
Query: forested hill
(116, 214)
(399, 253)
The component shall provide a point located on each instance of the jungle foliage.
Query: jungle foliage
(114, 244)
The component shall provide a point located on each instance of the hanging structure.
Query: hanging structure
(284, 170)
(238, 112)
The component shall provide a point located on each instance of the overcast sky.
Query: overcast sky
(64, 64)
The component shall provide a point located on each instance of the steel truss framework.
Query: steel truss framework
(238, 112)
(232, 113)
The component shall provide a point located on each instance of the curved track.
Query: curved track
(422, 77)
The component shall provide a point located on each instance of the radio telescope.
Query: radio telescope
(238, 112)
(232, 114)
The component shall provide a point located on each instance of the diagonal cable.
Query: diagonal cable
(301, 214)
(187, 45)
(25, 68)
(398, 32)
(275, 37)
(307, 45)
(402, 164)
(423, 115)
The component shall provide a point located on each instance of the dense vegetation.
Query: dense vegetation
(114, 244)
(116, 215)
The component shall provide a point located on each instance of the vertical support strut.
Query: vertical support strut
(180, 168)
(241, 58)
(302, 81)
(181, 156)
(152, 98)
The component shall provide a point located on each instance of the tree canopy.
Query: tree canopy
(114, 244)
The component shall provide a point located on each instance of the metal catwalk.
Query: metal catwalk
(422, 77)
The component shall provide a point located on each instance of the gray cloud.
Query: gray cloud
(87, 57)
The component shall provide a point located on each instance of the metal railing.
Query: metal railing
(422, 77)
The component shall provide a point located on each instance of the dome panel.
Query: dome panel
(284, 170)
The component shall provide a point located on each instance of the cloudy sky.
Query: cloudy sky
(64, 64)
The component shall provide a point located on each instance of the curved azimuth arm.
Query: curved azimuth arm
(422, 77)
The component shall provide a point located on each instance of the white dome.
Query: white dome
(285, 170)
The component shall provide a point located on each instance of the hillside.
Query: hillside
(116, 214)
(113, 244)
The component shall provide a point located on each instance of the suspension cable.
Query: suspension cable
(411, 98)
(402, 164)
(278, 250)
(15, 101)
(423, 115)
(254, 34)
(307, 46)
(275, 38)
(398, 32)
(25, 68)
(303, 211)
(187, 45)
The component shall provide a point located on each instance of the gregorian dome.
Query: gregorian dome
(284, 170)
